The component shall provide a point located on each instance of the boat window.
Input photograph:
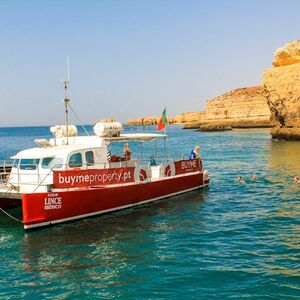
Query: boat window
(52, 163)
(29, 163)
(89, 157)
(16, 163)
(75, 160)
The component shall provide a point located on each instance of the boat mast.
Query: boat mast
(66, 99)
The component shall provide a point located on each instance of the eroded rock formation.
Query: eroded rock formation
(240, 108)
(190, 120)
(108, 120)
(282, 91)
(287, 55)
(145, 121)
(190, 117)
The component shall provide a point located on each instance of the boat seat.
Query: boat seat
(156, 172)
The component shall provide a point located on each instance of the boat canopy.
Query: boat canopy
(61, 151)
(142, 137)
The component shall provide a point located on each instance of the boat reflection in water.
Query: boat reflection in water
(102, 247)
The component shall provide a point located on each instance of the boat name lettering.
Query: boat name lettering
(53, 201)
(189, 164)
(73, 180)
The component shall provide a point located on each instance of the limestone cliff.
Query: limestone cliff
(190, 117)
(239, 108)
(183, 118)
(282, 91)
(287, 55)
(108, 120)
(145, 121)
(190, 120)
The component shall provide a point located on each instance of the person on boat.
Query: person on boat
(152, 161)
(296, 180)
(195, 153)
(127, 152)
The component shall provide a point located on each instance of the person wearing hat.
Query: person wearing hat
(195, 153)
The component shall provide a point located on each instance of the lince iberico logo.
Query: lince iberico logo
(53, 201)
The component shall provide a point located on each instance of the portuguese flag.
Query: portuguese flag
(163, 121)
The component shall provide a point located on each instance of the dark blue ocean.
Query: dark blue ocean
(230, 241)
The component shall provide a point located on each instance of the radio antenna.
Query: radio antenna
(66, 99)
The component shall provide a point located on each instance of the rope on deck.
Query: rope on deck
(10, 215)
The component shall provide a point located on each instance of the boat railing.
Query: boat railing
(5, 169)
(44, 176)
(160, 160)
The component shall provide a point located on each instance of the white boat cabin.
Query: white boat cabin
(32, 169)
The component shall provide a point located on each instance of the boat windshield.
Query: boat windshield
(16, 163)
(29, 163)
(52, 163)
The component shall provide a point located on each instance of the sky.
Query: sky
(132, 58)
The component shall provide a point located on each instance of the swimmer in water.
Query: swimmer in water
(254, 177)
(296, 180)
(240, 179)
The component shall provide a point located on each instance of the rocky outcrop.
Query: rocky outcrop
(107, 120)
(146, 121)
(190, 117)
(287, 134)
(289, 54)
(240, 108)
(191, 125)
(282, 91)
(190, 120)
(183, 118)
(214, 127)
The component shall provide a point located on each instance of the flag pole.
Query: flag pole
(165, 129)
(165, 138)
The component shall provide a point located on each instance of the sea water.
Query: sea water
(229, 241)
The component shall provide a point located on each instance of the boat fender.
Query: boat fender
(169, 170)
(205, 175)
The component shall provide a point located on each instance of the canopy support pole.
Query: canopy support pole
(155, 150)
(165, 149)
(141, 153)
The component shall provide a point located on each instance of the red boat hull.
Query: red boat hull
(42, 209)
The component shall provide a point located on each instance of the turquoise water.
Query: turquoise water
(229, 241)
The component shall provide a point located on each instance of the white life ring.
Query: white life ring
(141, 174)
(169, 170)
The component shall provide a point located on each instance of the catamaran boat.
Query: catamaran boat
(69, 177)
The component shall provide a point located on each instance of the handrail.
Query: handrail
(40, 183)
(18, 176)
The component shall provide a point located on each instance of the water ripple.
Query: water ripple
(229, 241)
